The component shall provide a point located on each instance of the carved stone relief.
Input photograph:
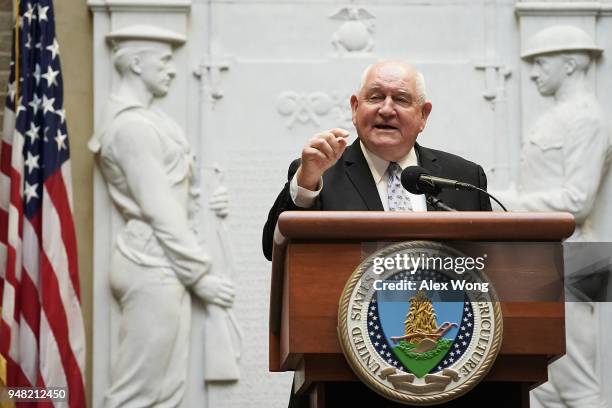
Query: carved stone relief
(568, 147)
(355, 34)
(496, 74)
(240, 103)
(303, 108)
(564, 157)
(158, 264)
(210, 71)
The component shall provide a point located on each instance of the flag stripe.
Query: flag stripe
(27, 359)
(16, 192)
(4, 340)
(10, 300)
(61, 264)
(30, 309)
(3, 223)
(67, 181)
(56, 316)
(52, 369)
(57, 193)
(15, 377)
(44, 404)
(5, 156)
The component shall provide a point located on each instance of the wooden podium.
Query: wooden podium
(316, 252)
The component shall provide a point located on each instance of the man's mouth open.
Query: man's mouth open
(385, 127)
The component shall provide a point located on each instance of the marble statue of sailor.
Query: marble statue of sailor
(157, 263)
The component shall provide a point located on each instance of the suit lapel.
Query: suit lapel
(359, 174)
(428, 160)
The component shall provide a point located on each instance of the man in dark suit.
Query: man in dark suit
(389, 111)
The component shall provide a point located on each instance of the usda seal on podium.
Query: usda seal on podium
(420, 323)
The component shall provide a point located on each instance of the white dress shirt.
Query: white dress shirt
(378, 167)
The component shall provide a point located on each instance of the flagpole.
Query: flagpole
(16, 47)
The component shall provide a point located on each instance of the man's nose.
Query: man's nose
(534, 74)
(171, 71)
(388, 107)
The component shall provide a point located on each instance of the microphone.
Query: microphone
(417, 180)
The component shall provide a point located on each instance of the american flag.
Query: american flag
(42, 335)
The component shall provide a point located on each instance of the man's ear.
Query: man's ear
(135, 65)
(354, 104)
(426, 110)
(570, 65)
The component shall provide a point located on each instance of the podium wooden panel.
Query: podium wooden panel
(316, 252)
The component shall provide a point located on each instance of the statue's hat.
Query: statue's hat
(143, 32)
(559, 39)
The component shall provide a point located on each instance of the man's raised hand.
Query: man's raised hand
(319, 154)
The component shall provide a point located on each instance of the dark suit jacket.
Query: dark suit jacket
(349, 186)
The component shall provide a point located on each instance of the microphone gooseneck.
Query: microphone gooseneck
(418, 180)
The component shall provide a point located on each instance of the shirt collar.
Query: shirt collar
(378, 166)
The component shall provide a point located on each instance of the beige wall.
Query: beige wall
(74, 32)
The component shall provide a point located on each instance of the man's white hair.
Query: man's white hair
(421, 89)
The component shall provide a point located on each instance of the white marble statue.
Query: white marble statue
(563, 159)
(565, 154)
(157, 262)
